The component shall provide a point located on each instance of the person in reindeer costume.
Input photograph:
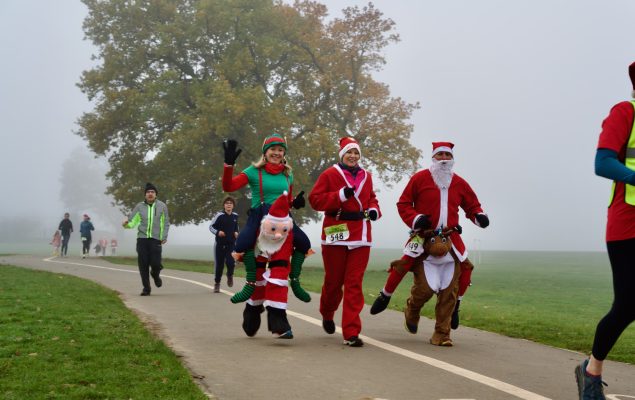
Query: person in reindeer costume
(275, 246)
(438, 274)
(432, 198)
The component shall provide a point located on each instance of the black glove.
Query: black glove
(373, 215)
(299, 201)
(458, 229)
(349, 192)
(482, 219)
(422, 223)
(230, 147)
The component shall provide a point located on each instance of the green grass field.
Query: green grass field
(62, 337)
(53, 342)
(555, 298)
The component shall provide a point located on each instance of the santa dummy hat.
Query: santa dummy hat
(279, 210)
(347, 143)
(442, 146)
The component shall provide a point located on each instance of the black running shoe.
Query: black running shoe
(380, 304)
(329, 326)
(354, 341)
(589, 387)
(454, 323)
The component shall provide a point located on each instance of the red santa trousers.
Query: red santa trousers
(343, 275)
(258, 296)
(277, 288)
(395, 277)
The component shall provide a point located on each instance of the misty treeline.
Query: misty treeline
(176, 77)
(82, 190)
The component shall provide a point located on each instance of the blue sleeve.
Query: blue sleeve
(608, 166)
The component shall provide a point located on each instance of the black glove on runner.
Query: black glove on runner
(231, 150)
(483, 220)
(422, 223)
(299, 201)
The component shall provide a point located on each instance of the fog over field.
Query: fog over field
(521, 88)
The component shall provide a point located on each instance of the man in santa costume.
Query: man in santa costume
(275, 246)
(432, 199)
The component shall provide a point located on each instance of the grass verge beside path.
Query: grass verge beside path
(546, 297)
(67, 338)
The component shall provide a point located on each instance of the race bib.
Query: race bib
(84, 239)
(414, 248)
(336, 233)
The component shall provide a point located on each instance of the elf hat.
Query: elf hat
(273, 140)
(347, 143)
(442, 146)
(279, 210)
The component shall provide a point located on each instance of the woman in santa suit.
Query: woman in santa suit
(345, 193)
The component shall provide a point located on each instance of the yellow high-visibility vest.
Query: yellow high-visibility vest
(629, 161)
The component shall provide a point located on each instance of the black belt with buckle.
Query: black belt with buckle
(347, 216)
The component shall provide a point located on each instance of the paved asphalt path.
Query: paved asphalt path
(204, 328)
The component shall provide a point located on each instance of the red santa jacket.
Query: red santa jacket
(423, 196)
(328, 196)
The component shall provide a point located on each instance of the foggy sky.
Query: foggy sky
(520, 87)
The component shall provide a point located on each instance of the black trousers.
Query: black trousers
(65, 239)
(222, 256)
(622, 312)
(148, 256)
(86, 245)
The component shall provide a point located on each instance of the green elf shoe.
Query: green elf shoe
(294, 277)
(250, 275)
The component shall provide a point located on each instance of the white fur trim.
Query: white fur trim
(277, 219)
(274, 281)
(342, 197)
(255, 302)
(275, 304)
(442, 148)
(348, 147)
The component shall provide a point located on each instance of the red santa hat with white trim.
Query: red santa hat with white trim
(442, 146)
(347, 143)
(279, 210)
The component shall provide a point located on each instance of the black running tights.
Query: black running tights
(622, 312)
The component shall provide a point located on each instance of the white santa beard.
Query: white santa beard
(267, 245)
(442, 172)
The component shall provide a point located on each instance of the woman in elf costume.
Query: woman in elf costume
(268, 178)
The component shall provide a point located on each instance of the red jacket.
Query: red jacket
(328, 196)
(423, 196)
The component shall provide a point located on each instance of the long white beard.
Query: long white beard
(267, 246)
(442, 172)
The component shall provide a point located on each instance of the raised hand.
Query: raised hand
(231, 151)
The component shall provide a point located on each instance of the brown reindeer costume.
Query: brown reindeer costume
(437, 272)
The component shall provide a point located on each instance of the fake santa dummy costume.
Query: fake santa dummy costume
(432, 199)
(267, 179)
(275, 246)
(345, 193)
